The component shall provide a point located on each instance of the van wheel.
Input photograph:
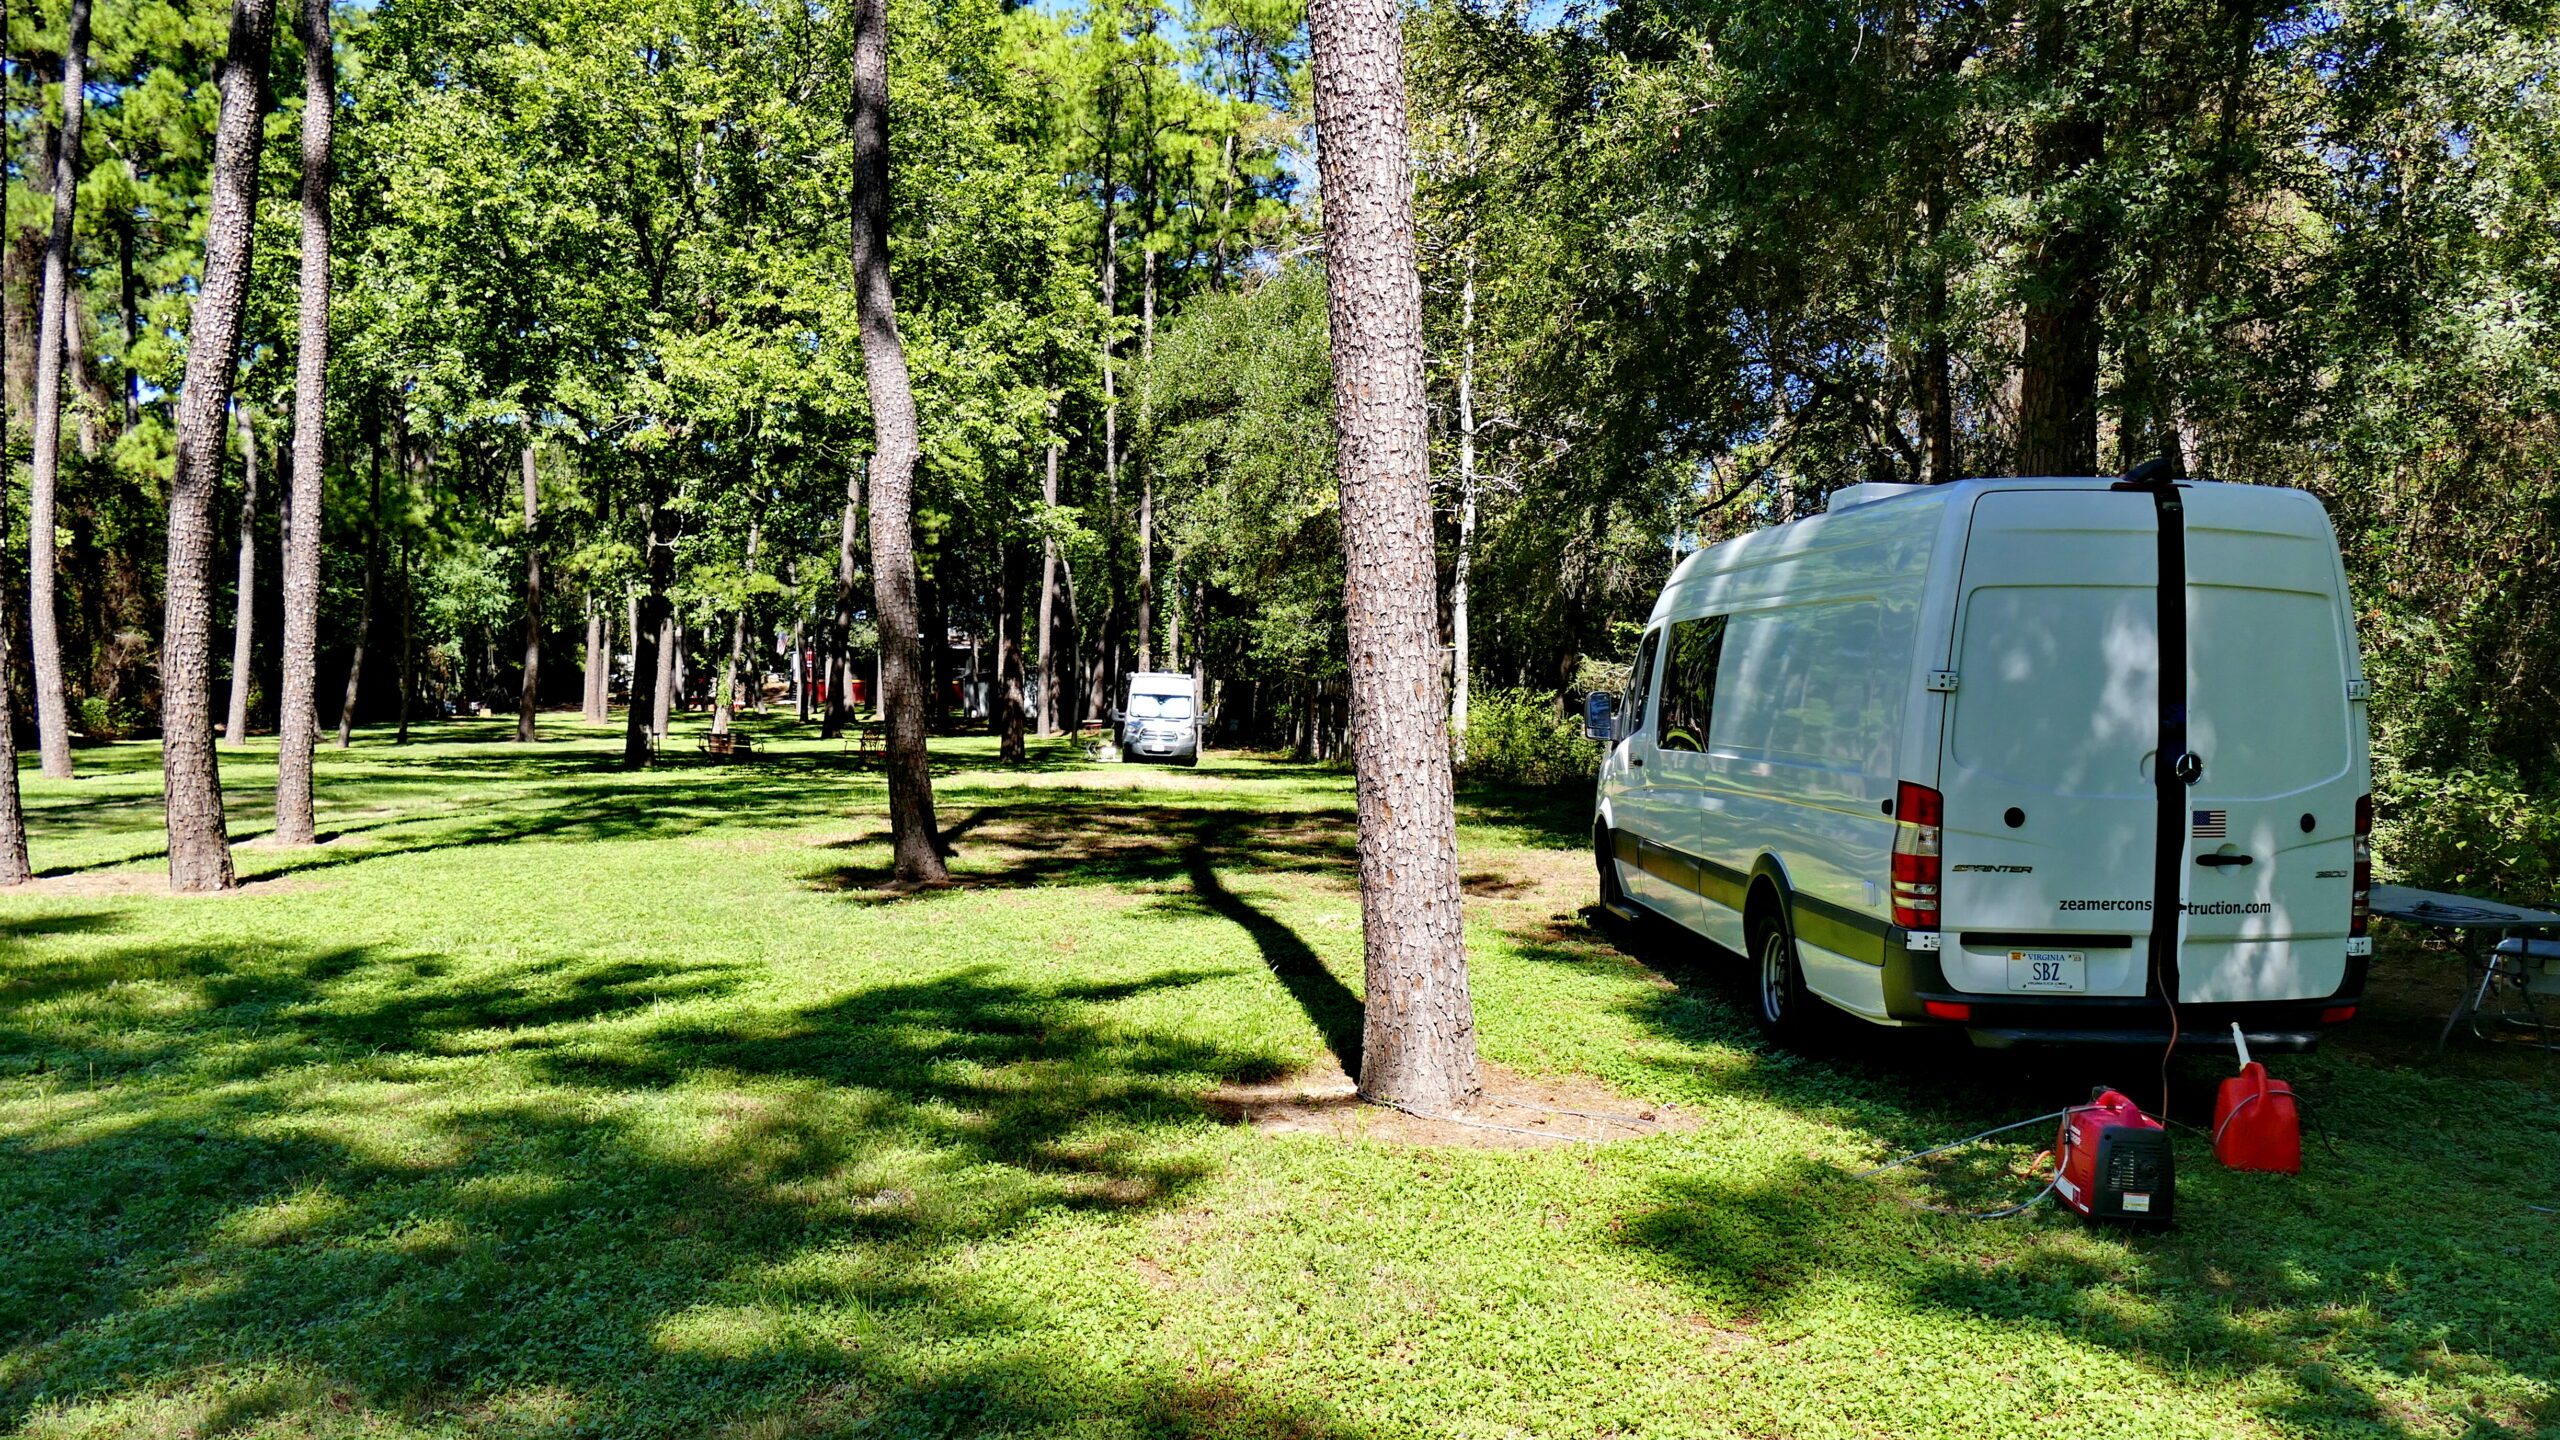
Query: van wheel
(1604, 853)
(1784, 1009)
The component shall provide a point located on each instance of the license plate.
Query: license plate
(2061, 972)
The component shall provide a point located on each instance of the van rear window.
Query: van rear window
(2061, 688)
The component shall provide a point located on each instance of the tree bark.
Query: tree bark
(642, 720)
(591, 694)
(53, 714)
(915, 840)
(1418, 1043)
(1936, 389)
(2058, 371)
(199, 842)
(1010, 709)
(298, 716)
(799, 657)
(244, 609)
(1147, 466)
(724, 712)
(529, 700)
(407, 680)
(1048, 660)
(670, 675)
(1462, 565)
(14, 867)
(364, 611)
(840, 633)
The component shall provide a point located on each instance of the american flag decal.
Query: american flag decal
(2212, 824)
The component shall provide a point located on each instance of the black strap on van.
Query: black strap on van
(2178, 767)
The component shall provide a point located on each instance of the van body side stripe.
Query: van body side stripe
(1841, 930)
(1836, 928)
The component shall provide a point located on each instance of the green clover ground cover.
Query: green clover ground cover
(551, 1101)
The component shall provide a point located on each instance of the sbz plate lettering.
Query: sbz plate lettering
(2062, 972)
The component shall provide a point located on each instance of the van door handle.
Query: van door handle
(2218, 861)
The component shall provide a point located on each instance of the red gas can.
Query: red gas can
(2255, 1124)
(2113, 1162)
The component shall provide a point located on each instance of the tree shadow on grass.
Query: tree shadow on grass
(1183, 851)
(2406, 1253)
(535, 1199)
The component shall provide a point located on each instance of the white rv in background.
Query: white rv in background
(1160, 718)
(1906, 757)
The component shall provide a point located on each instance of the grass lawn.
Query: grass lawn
(546, 1100)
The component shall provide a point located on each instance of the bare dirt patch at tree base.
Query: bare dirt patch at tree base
(1516, 1112)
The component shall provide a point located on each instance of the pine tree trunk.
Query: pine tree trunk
(1462, 566)
(199, 842)
(529, 699)
(244, 607)
(407, 680)
(1147, 468)
(1418, 1045)
(915, 840)
(840, 632)
(1048, 659)
(641, 720)
(1010, 709)
(14, 867)
(53, 715)
(800, 668)
(724, 712)
(591, 693)
(1936, 390)
(364, 612)
(2058, 369)
(129, 309)
(298, 715)
(670, 676)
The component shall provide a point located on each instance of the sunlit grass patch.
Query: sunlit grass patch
(615, 1104)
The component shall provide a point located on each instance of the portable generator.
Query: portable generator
(2112, 1162)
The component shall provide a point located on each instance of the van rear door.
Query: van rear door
(2053, 730)
(2272, 819)
(2050, 733)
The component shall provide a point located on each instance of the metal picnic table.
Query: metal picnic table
(2469, 918)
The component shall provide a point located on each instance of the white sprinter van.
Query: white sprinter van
(1161, 718)
(1905, 756)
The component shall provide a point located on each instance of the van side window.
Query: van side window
(1640, 684)
(1689, 683)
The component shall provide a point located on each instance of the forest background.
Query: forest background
(1689, 266)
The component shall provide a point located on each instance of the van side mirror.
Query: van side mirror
(1600, 716)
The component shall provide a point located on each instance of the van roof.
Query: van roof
(2273, 509)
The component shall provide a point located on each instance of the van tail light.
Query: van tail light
(2360, 919)
(1947, 1009)
(1917, 813)
(2337, 1015)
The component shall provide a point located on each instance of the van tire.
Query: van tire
(1785, 1009)
(1604, 855)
